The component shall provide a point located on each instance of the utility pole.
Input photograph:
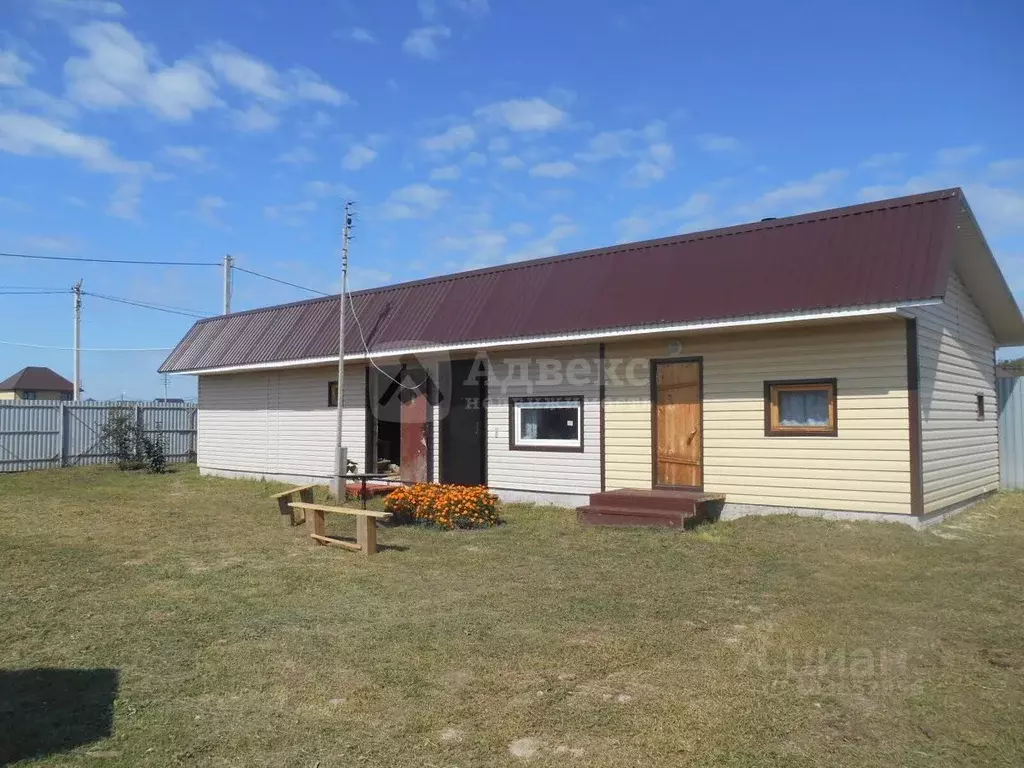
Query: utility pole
(340, 451)
(76, 291)
(229, 263)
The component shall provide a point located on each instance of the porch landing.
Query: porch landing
(652, 508)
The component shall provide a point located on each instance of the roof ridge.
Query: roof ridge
(688, 237)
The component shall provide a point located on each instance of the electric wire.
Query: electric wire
(147, 305)
(112, 261)
(278, 280)
(72, 349)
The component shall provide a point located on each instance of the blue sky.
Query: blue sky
(470, 132)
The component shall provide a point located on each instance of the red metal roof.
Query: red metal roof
(887, 252)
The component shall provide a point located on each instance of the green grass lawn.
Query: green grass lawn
(771, 641)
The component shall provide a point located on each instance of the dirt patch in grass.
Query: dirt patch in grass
(766, 641)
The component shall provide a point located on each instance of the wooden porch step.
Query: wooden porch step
(645, 507)
(630, 516)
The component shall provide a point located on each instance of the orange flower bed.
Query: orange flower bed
(446, 506)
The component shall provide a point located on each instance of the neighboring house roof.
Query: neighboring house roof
(38, 379)
(888, 253)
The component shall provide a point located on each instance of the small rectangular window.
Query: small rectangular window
(795, 408)
(543, 424)
(981, 407)
(28, 395)
(67, 396)
(332, 394)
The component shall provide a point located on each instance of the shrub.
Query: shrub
(446, 506)
(131, 448)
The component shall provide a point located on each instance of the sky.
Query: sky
(468, 133)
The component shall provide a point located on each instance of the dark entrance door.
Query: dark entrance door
(464, 429)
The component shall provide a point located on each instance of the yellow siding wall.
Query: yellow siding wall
(865, 468)
(41, 394)
(960, 454)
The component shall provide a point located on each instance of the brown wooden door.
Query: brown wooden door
(678, 431)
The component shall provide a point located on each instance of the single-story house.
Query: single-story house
(36, 383)
(838, 363)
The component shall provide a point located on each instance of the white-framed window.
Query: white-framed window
(546, 423)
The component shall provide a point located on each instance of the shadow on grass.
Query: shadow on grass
(380, 547)
(46, 711)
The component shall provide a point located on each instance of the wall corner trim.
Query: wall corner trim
(600, 398)
(914, 413)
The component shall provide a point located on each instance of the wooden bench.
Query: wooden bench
(366, 526)
(285, 498)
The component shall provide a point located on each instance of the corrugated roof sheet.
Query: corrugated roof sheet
(876, 253)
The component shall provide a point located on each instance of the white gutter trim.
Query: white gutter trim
(742, 322)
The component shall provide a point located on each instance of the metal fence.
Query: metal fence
(45, 434)
(1011, 432)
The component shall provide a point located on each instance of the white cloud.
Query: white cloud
(297, 156)
(559, 169)
(456, 137)
(511, 163)
(416, 201)
(360, 35)
(208, 209)
(307, 85)
(716, 142)
(118, 71)
(627, 142)
(427, 8)
(1011, 166)
(259, 79)
(551, 243)
(14, 70)
(254, 119)
(519, 229)
(63, 10)
(498, 144)
(358, 156)
(524, 114)
(472, 7)
(476, 158)
(483, 246)
(423, 42)
(814, 188)
(185, 155)
(999, 209)
(50, 243)
(294, 214)
(655, 163)
(246, 73)
(124, 203)
(22, 134)
(327, 189)
(445, 173)
(883, 160)
(958, 155)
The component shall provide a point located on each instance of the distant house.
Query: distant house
(36, 383)
(838, 362)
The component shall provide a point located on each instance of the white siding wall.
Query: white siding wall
(546, 472)
(278, 423)
(960, 454)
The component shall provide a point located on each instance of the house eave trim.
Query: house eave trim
(622, 333)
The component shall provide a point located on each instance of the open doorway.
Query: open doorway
(400, 433)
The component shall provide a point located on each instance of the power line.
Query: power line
(112, 261)
(30, 293)
(283, 282)
(71, 349)
(147, 305)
